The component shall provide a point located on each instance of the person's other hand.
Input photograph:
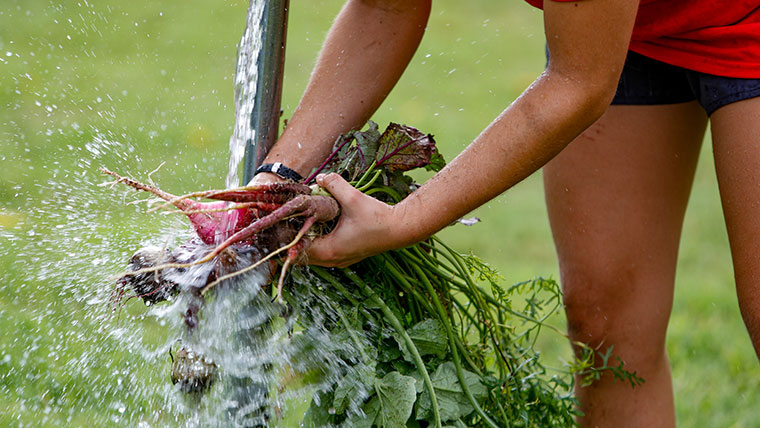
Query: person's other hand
(366, 227)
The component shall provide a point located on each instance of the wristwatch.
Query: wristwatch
(281, 170)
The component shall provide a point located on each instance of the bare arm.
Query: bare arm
(366, 51)
(588, 41)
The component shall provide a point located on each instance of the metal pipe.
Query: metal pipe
(265, 118)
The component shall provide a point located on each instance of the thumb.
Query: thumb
(341, 189)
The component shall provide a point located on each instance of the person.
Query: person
(617, 117)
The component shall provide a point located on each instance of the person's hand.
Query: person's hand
(366, 227)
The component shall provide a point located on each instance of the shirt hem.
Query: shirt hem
(702, 64)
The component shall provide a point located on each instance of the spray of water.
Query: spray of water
(114, 368)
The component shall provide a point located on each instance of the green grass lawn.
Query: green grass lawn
(129, 85)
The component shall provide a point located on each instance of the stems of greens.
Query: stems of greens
(457, 363)
(407, 340)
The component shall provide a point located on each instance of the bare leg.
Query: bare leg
(616, 198)
(736, 141)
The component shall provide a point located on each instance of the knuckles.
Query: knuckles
(352, 197)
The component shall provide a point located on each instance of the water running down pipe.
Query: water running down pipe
(265, 118)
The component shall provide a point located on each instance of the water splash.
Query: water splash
(271, 357)
(68, 360)
(62, 361)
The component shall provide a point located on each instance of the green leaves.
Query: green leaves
(397, 395)
(429, 336)
(452, 401)
(392, 405)
(355, 384)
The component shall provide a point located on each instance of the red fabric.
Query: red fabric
(719, 37)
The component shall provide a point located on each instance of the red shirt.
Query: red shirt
(711, 36)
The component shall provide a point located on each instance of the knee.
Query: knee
(608, 307)
(588, 313)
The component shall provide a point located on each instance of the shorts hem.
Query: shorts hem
(648, 102)
(730, 99)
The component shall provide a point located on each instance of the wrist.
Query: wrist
(402, 226)
(298, 151)
(265, 178)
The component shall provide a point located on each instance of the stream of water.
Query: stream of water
(246, 81)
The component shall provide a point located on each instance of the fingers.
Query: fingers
(339, 188)
(322, 252)
(365, 227)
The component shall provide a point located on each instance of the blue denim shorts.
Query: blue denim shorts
(646, 81)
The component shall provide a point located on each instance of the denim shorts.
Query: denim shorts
(646, 81)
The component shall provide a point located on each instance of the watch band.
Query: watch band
(281, 170)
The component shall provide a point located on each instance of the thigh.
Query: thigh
(736, 142)
(616, 197)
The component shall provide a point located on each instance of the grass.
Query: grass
(129, 85)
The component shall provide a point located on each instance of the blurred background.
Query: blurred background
(132, 85)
